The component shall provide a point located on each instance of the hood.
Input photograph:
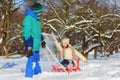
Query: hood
(31, 13)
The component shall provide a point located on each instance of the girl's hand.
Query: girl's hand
(86, 62)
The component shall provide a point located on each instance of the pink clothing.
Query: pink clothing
(68, 51)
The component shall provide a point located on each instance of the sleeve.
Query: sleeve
(27, 27)
(42, 37)
(29, 42)
(80, 55)
(58, 46)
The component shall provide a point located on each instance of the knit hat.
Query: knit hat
(66, 40)
(37, 8)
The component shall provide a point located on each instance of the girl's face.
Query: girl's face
(64, 45)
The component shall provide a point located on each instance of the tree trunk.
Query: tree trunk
(101, 51)
(95, 53)
(6, 52)
(86, 55)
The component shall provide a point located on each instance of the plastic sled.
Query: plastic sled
(57, 67)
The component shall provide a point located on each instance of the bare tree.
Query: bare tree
(88, 23)
(7, 33)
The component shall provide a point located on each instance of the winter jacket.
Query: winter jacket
(68, 52)
(31, 30)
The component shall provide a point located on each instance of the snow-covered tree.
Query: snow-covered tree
(8, 31)
(88, 23)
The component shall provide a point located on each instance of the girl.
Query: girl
(68, 53)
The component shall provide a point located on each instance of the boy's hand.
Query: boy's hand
(29, 53)
(43, 44)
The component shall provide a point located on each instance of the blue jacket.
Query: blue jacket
(31, 30)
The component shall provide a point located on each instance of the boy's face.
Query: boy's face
(39, 14)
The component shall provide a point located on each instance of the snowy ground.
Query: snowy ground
(100, 69)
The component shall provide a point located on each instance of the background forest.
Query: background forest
(90, 24)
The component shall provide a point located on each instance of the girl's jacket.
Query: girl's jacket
(68, 52)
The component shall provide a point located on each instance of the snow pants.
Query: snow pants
(65, 62)
(32, 66)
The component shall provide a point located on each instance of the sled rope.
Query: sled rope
(55, 58)
(48, 57)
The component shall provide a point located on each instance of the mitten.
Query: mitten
(29, 53)
(61, 60)
(43, 44)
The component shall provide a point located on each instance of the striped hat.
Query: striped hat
(37, 8)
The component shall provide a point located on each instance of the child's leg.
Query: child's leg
(72, 62)
(37, 68)
(29, 70)
(65, 62)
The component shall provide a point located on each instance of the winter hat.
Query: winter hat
(37, 8)
(66, 40)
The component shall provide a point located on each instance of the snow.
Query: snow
(105, 68)
(1, 39)
(112, 15)
(91, 37)
(92, 46)
(97, 69)
(84, 21)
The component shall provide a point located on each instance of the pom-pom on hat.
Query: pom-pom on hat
(37, 8)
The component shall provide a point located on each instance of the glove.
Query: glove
(70, 61)
(29, 53)
(86, 62)
(43, 44)
(61, 60)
